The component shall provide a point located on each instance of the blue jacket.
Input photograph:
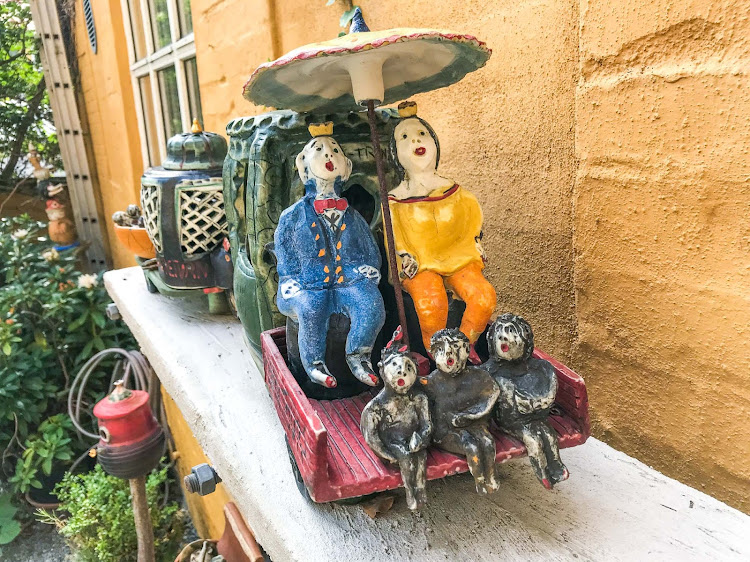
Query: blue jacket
(317, 256)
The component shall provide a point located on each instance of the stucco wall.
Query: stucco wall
(662, 238)
(506, 131)
(107, 95)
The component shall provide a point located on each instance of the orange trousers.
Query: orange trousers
(428, 291)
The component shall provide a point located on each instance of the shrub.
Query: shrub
(52, 321)
(100, 526)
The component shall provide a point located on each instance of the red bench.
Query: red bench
(333, 462)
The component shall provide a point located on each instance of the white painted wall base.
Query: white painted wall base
(612, 508)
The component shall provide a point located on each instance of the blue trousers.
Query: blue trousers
(360, 301)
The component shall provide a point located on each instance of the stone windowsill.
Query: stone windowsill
(613, 506)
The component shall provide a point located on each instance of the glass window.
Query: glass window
(170, 101)
(160, 23)
(136, 27)
(194, 94)
(164, 79)
(186, 17)
(149, 120)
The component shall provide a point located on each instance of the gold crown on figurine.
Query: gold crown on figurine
(321, 129)
(407, 109)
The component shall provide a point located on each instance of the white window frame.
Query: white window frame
(175, 54)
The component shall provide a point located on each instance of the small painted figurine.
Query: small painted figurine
(396, 423)
(437, 227)
(328, 262)
(527, 391)
(62, 231)
(461, 401)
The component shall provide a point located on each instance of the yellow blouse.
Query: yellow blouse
(439, 230)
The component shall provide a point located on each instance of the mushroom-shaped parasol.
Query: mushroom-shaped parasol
(367, 69)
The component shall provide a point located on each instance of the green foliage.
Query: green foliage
(50, 444)
(21, 89)
(101, 528)
(51, 322)
(348, 14)
(9, 527)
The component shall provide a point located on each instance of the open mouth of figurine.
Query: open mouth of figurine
(450, 362)
(329, 166)
(401, 382)
(420, 151)
(505, 347)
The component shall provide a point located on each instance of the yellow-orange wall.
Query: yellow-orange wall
(107, 98)
(662, 222)
(607, 143)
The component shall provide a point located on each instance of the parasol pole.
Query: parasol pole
(391, 250)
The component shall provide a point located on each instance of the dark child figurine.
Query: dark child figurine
(461, 402)
(527, 391)
(396, 423)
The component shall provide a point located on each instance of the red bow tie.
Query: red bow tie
(332, 203)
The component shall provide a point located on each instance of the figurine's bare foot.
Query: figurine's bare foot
(493, 484)
(474, 356)
(361, 368)
(481, 485)
(560, 474)
(321, 375)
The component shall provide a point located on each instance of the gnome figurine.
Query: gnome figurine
(396, 423)
(461, 402)
(328, 262)
(527, 391)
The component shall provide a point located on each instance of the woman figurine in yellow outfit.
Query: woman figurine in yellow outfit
(437, 228)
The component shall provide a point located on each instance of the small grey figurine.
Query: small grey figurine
(396, 423)
(527, 391)
(461, 402)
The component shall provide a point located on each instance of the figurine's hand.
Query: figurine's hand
(415, 444)
(370, 272)
(524, 404)
(409, 264)
(458, 420)
(290, 288)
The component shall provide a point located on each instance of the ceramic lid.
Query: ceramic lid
(196, 150)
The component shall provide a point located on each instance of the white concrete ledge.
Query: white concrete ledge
(612, 508)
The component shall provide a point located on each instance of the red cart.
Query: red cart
(330, 458)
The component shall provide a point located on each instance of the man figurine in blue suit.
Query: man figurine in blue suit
(328, 262)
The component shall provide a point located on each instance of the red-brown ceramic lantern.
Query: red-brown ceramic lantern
(131, 441)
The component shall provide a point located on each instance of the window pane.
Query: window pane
(149, 119)
(170, 101)
(136, 25)
(194, 94)
(186, 17)
(160, 23)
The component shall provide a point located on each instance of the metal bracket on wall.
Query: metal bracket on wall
(70, 136)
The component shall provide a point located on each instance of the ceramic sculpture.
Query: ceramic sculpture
(528, 387)
(328, 263)
(461, 400)
(183, 210)
(396, 423)
(437, 227)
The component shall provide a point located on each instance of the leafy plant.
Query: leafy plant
(25, 112)
(348, 14)
(52, 443)
(9, 526)
(51, 322)
(100, 526)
